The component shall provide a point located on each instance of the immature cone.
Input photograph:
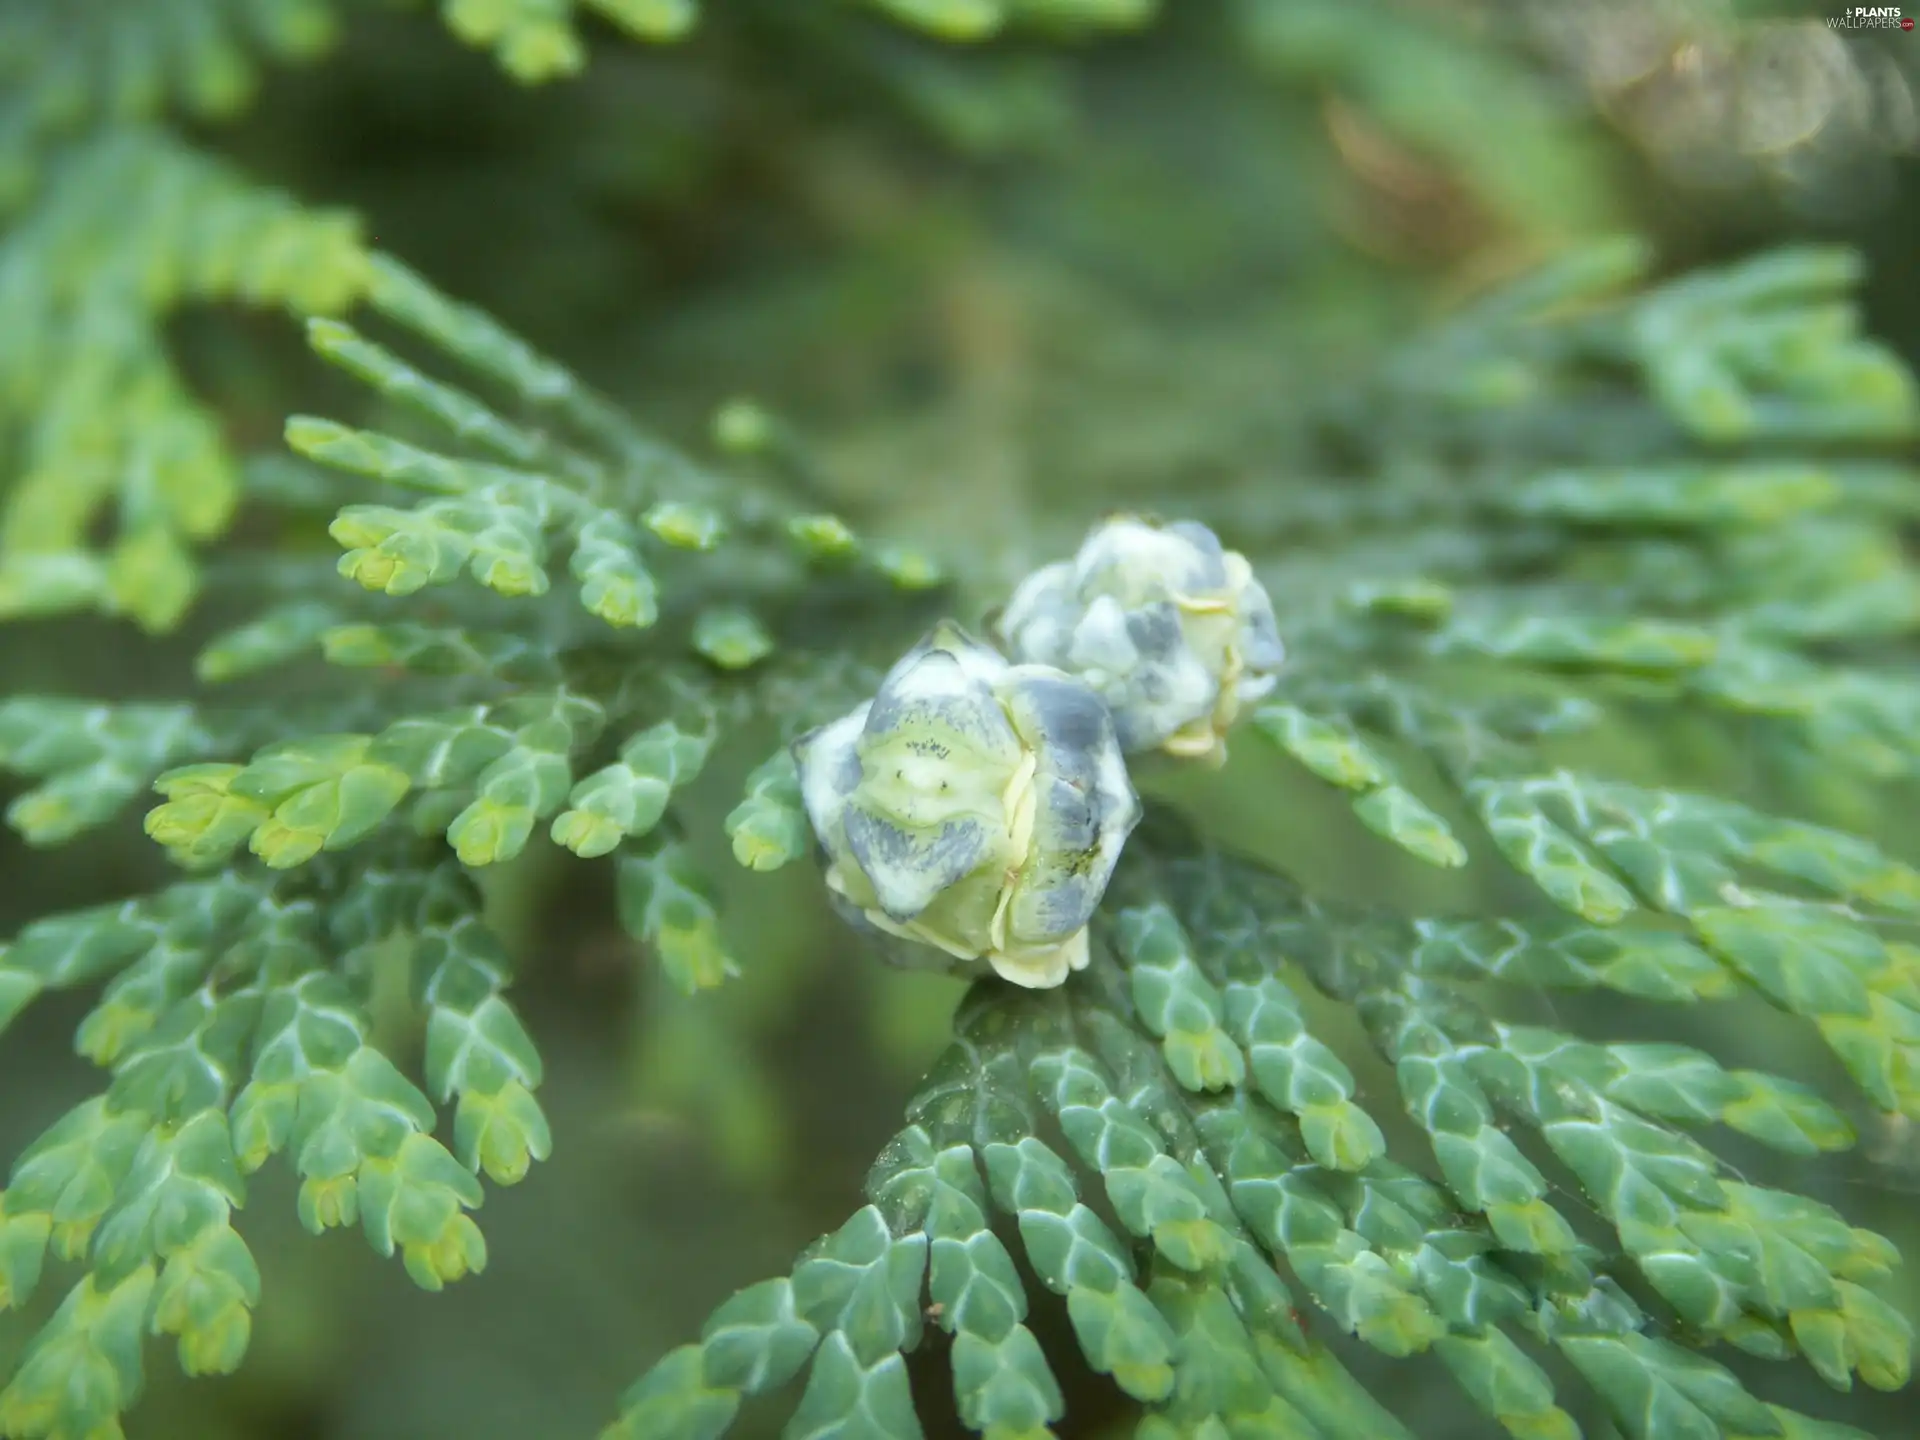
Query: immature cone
(1168, 628)
(974, 807)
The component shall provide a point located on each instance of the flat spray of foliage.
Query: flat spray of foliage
(563, 614)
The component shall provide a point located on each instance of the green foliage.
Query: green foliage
(1264, 1116)
(972, 20)
(1186, 1078)
(237, 1021)
(535, 40)
(65, 69)
(92, 410)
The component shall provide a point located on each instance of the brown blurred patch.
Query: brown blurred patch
(1410, 208)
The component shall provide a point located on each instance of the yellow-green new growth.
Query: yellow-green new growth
(292, 801)
(665, 902)
(535, 40)
(628, 797)
(769, 827)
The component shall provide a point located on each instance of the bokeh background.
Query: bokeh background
(995, 290)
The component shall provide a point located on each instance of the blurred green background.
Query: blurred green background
(997, 290)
